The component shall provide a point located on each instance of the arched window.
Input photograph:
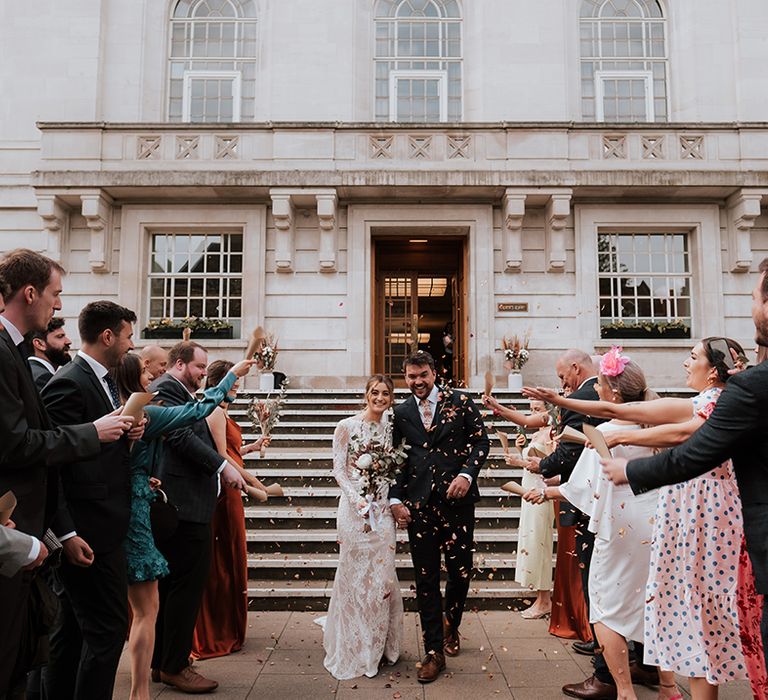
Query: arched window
(418, 60)
(623, 61)
(212, 73)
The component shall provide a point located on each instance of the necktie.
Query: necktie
(426, 413)
(112, 390)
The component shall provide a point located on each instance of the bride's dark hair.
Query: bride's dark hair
(375, 379)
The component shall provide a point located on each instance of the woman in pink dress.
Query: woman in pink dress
(698, 582)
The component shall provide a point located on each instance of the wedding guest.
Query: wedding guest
(697, 579)
(434, 496)
(92, 520)
(155, 360)
(577, 374)
(145, 564)
(533, 565)
(220, 630)
(622, 527)
(31, 447)
(364, 626)
(51, 351)
(191, 470)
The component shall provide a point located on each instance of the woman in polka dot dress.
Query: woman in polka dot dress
(698, 587)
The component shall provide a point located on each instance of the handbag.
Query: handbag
(163, 516)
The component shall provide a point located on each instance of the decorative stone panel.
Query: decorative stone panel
(148, 147)
(691, 147)
(420, 147)
(187, 147)
(459, 146)
(381, 146)
(614, 147)
(226, 148)
(653, 147)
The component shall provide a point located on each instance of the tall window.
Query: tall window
(418, 61)
(623, 61)
(644, 280)
(196, 274)
(212, 61)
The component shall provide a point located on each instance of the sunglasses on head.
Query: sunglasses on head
(720, 351)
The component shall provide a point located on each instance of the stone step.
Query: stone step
(300, 567)
(268, 516)
(314, 595)
(307, 540)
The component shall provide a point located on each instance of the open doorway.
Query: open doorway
(420, 303)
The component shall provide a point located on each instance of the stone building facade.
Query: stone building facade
(361, 176)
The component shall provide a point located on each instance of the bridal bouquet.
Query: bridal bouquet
(515, 351)
(266, 353)
(264, 414)
(378, 462)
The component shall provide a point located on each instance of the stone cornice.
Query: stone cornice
(395, 126)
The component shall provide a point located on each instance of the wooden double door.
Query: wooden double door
(420, 304)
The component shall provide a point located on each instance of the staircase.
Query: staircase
(292, 549)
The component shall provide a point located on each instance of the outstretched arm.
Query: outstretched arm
(666, 410)
(526, 420)
(735, 417)
(667, 435)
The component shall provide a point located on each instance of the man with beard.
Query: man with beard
(31, 449)
(190, 468)
(434, 496)
(51, 351)
(92, 520)
(737, 429)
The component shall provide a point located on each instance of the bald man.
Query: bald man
(155, 360)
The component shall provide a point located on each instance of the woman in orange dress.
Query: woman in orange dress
(222, 620)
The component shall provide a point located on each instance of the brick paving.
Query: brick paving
(503, 656)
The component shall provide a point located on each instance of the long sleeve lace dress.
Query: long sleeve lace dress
(365, 616)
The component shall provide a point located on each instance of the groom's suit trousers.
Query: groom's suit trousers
(438, 528)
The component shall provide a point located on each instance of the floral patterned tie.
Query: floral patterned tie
(426, 413)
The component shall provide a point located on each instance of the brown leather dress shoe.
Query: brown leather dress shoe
(189, 681)
(451, 642)
(642, 676)
(431, 667)
(591, 688)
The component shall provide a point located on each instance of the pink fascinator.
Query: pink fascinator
(613, 362)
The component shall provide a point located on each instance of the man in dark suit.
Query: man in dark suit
(92, 519)
(434, 496)
(737, 429)
(30, 448)
(190, 470)
(50, 351)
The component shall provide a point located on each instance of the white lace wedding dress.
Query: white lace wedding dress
(365, 616)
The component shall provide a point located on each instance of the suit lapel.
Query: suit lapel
(26, 373)
(439, 420)
(95, 383)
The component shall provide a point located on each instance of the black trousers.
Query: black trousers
(188, 553)
(439, 528)
(14, 596)
(88, 636)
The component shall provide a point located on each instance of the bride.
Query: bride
(364, 626)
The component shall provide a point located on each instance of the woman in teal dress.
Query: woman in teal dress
(145, 563)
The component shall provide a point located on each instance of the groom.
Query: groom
(434, 496)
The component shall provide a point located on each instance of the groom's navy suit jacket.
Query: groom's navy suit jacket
(456, 443)
(737, 428)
